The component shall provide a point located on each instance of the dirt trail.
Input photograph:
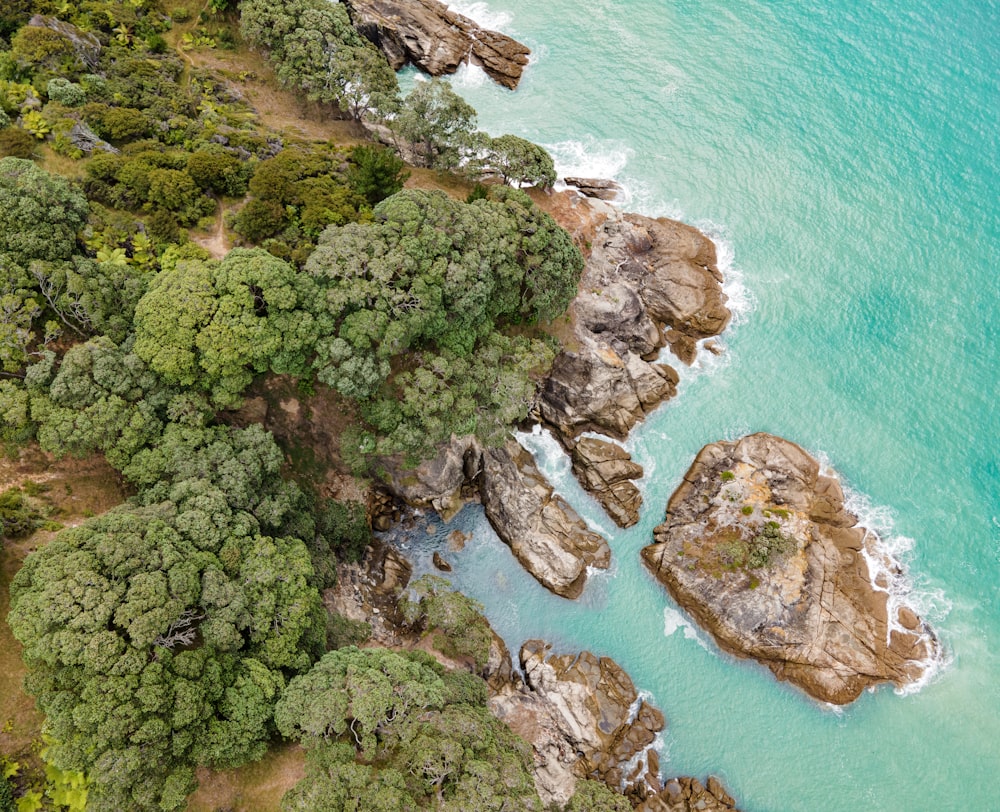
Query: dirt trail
(216, 244)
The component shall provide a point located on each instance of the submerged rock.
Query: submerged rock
(436, 39)
(758, 547)
(606, 470)
(545, 534)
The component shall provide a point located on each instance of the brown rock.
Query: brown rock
(606, 470)
(785, 583)
(681, 345)
(436, 483)
(603, 391)
(641, 274)
(545, 534)
(457, 540)
(596, 187)
(440, 563)
(576, 712)
(436, 39)
(682, 288)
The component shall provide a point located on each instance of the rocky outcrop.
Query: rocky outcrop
(689, 795)
(582, 716)
(595, 187)
(545, 534)
(86, 45)
(436, 39)
(646, 284)
(758, 548)
(442, 483)
(607, 471)
(599, 389)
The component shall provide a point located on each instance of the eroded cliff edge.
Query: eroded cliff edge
(758, 548)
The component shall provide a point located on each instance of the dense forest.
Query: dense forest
(186, 627)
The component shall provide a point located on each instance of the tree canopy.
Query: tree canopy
(153, 646)
(388, 728)
(315, 48)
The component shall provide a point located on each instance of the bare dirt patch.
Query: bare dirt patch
(253, 787)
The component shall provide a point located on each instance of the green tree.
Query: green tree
(357, 693)
(438, 122)
(376, 173)
(374, 719)
(44, 276)
(520, 162)
(153, 647)
(214, 325)
(40, 213)
(314, 47)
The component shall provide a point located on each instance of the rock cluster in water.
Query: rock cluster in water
(758, 548)
(543, 531)
(436, 39)
(646, 284)
(583, 718)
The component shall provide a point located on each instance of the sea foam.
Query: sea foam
(481, 13)
(885, 552)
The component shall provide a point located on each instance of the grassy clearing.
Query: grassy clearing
(253, 787)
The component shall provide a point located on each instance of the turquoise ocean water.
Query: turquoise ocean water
(845, 156)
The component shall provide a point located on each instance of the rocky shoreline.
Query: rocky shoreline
(581, 714)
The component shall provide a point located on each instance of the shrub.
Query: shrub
(163, 226)
(376, 173)
(118, 124)
(156, 44)
(6, 796)
(259, 219)
(17, 516)
(216, 170)
(66, 92)
(17, 143)
(345, 527)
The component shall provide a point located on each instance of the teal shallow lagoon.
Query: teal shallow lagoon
(846, 156)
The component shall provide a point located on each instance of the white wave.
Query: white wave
(674, 620)
(590, 158)
(539, 51)
(741, 300)
(885, 552)
(480, 12)
(555, 465)
(469, 76)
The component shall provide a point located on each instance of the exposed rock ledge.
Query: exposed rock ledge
(436, 39)
(583, 718)
(545, 534)
(646, 284)
(758, 548)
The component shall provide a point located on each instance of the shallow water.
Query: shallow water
(845, 156)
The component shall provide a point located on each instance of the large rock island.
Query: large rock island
(758, 548)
